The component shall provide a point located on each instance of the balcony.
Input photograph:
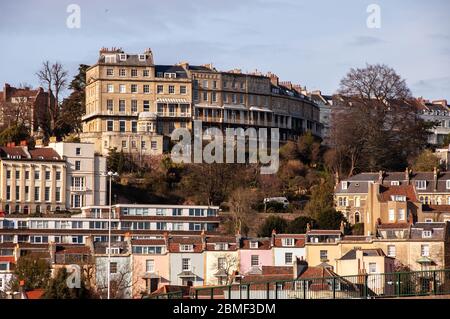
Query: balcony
(78, 188)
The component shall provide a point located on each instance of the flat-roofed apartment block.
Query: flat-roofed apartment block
(137, 221)
(131, 103)
(134, 105)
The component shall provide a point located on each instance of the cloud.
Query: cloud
(365, 40)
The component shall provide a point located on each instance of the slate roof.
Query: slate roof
(178, 69)
(406, 190)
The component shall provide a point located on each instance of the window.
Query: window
(221, 246)
(398, 198)
(146, 105)
(76, 200)
(109, 125)
(324, 255)
(421, 184)
(145, 73)
(47, 194)
(110, 88)
(58, 194)
(27, 193)
(288, 258)
(150, 265)
(159, 89)
(171, 89)
(134, 88)
(205, 96)
(8, 192)
(391, 251)
(395, 183)
(109, 105)
(133, 106)
(195, 93)
(133, 72)
(425, 250)
(288, 241)
(17, 174)
(254, 261)
(182, 89)
(447, 183)
(213, 97)
(77, 165)
(391, 214)
(122, 105)
(37, 174)
(143, 144)
(27, 176)
(186, 248)
(205, 83)
(154, 145)
(122, 88)
(372, 268)
(221, 263)
(146, 88)
(401, 214)
(342, 201)
(428, 220)
(124, 144)
(36, 193)
(186, 264)
(241, 98)
(225, 84)
(133, 126)
(109, 72)
(426, 234)
(17, 194)
(122, 72)
(122, 126)
(254, 244)
(113, 267)
(344, 185)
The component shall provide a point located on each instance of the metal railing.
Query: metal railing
(169, 295)
(384, 285)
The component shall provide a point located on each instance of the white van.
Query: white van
(282, 200)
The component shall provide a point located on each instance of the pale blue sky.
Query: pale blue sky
(313, 43)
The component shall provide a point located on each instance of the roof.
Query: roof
(351, 254)
(299, 240)
(263, 243)
(156, 242)
(269, 273)
(393, 226)
(14, 151)
(406, 190)
(44, 153)
(177, 69)
(34, 294)
(317, 272)
(324, 232)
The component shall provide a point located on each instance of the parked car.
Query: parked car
(281, 200)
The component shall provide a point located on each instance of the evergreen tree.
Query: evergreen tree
(272, 222)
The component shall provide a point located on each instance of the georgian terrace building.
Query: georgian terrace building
(139, 221)
(62, 176)
(133, 104)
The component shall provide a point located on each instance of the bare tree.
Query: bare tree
(54, 77)
(17, 113)
(226, 266)
(241, 202)
(121, 283)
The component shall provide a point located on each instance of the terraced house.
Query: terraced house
(133, 104)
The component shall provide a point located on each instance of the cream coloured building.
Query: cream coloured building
(124, 90)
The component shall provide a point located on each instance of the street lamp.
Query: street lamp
(111, 175)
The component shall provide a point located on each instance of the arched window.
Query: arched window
(57, 208)
(38, 208)
(25, 209)
(7, 208)
(49, 208)
(421, 200)
(17, 210)
(357, 218)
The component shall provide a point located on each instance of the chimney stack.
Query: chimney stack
(435, 177)
(380, 177)
(407, 176)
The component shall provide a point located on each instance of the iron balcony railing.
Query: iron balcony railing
(384, 285)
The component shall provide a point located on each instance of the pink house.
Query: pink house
(255, 253)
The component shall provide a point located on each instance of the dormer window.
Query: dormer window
(141, 57)
(344, 185)
(170, 75)
(186, 247)
(395, 183)
(288, 242)
(426, 234)
(447, 184)
(421, 184)
(122, 57)
(110, 59)
(254, 244)
(398, 198)
(114, 250)
(221, 246)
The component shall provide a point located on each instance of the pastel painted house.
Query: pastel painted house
(186, 260)
(286, 248)
(221, 260)
(150, 265)
(254, 253)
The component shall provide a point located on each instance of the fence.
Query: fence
(385, 285)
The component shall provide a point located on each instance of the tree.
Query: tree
(16, 134)
(228, 264)
(272, 222)
(73, 107)
(426, 161)
(298, 225)
(241, 203)
(321, 199)
(330, 219)
(58, 288)
(55, 78)
(121, 282)
(375, 125)
(34, 271)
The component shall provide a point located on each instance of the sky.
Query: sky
(312, 43)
